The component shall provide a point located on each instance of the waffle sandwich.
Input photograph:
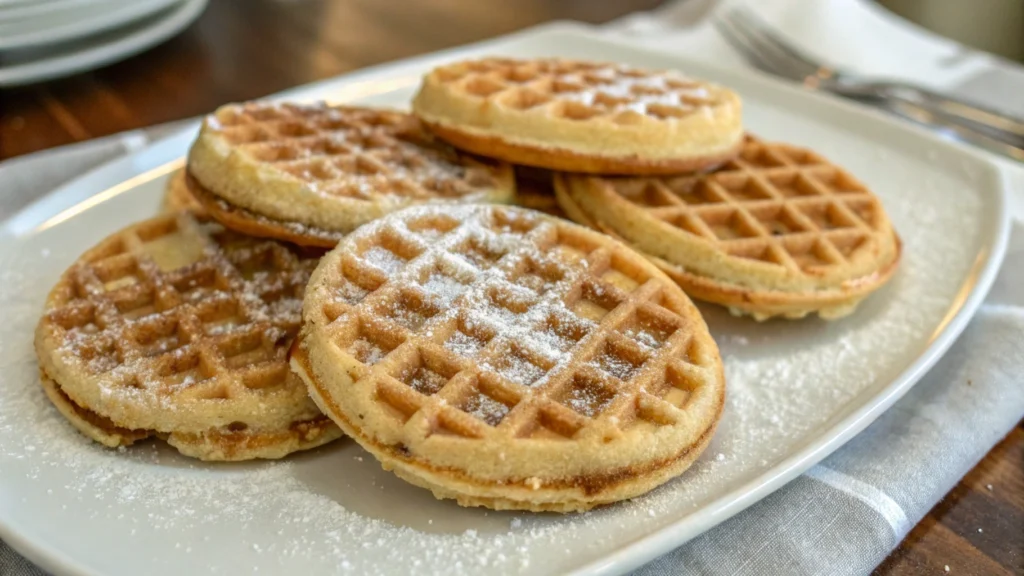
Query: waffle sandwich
(509, 359)
(580, 116)
(309, 173)
(178, 328)
(779, 231)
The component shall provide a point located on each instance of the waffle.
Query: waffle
(581, 116)
(177, 196)
(178, 328)
(334, 168)
(508, 359)
(779, 231)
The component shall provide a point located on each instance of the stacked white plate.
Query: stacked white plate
(44, 39)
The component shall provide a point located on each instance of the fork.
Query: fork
(951, 118)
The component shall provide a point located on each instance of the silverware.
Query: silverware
(951, 118)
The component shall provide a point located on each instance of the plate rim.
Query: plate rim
(127, 14)
(136, 38)
(642, 549)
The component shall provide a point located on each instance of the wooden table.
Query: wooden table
(240, 50)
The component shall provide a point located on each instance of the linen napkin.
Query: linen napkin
(844, 515)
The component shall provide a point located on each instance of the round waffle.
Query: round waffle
(333, 168)
(509, 359)
(581, 116)
(178, 328)
(779, 231)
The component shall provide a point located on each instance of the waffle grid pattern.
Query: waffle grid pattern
(474, 330)
(776, 204)
(578, 90)
(354, 153)
(184, 310)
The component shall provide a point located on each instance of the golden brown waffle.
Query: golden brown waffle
(177, 196)
(509, 359)
(334, 168)
(778, 231)
(178, 328)
(581, 116)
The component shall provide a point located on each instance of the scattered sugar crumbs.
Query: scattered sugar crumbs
(486, 408)
(519, 370)
(463, 344)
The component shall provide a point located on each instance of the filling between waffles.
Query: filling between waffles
(248, 222)
(236, 441)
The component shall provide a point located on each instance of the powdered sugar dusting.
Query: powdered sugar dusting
(611, 89)
(519, 370)
(366, 351)
(426, 381)
(384, 259)
(444, 287)
(616, 366)
(350, 292)
(643, 337)
(588, 401)
(463, 344)
(486, 408)
(360, 154)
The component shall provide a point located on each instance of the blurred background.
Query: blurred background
(244, 49)
(995, 26)
(71, 70)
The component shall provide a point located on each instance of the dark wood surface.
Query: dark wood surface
(978, 528)
(240, 50)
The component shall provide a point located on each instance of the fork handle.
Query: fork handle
(949, 130)
(954, 107)
(996, 124)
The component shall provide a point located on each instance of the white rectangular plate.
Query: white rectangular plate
(796, 390)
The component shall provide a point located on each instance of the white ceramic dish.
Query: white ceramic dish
(797, 390)
(32, 6)
(51, 23)
(26, 66)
